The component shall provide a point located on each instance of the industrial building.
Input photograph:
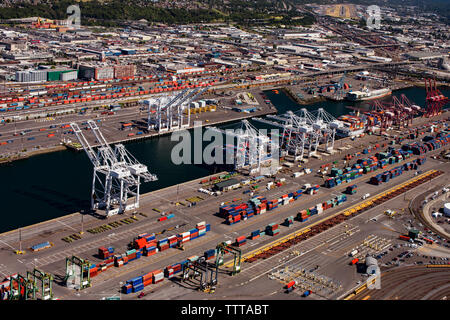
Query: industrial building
(424, 55)
(124, 71)
(61, 74)
(229, 184)
(89, 72)
(31, 76)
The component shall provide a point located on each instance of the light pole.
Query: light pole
(120, 290)
(82, 216)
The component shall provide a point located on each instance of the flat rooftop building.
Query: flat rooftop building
(425, 55)
(227, 185)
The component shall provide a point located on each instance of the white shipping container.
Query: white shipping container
(353, 253)
(201, 223)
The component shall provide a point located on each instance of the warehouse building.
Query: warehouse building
(227, 185)
(61, 74)
(424, 55)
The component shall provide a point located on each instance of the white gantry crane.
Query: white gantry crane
(328, 125)
(116, 174)
(252, 147)
(166, 113)
(304, 131)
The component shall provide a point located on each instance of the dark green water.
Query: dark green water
(55, 184)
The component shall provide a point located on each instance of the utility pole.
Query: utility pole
(20, 241)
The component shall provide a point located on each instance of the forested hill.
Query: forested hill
(110, 13)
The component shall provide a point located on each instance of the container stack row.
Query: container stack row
(240, 241)
(145, 245)
(105, 253)
(235, 213)
(304, 215)
(382, 159)
(272, 229)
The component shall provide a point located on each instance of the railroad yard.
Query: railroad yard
(318, 254)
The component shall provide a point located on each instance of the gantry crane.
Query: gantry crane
(252, 146)
(125, 159)
(44, 287)
(168, 113)
(327, 125)
(304, 131)
(435, 99)
(77, 273)
(21, 288)
(222, 249)
(400, 112)
(116, 174)
(201, 269)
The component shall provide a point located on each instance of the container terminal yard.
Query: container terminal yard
(320, 258)
(347, 200)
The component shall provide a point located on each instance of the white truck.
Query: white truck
(353, 253)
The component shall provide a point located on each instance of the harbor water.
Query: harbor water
(50, 185)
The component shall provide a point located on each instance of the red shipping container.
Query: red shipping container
(147, 282)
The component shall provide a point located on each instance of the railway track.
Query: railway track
(407, 283)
